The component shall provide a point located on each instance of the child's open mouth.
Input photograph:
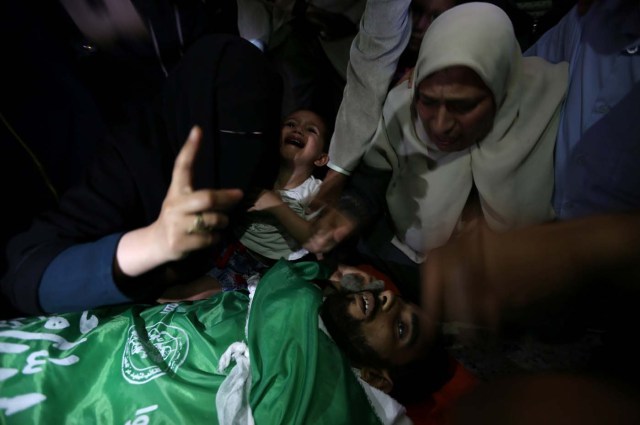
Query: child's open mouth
(295, 142)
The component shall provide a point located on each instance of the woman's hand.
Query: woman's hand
(189, 220)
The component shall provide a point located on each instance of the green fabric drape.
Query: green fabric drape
(158, 364)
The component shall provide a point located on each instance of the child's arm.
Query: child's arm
(270, 201)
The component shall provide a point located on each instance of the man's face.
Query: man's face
(455, 107)
(396, 330)
(423, 12)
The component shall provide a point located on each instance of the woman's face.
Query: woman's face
(455, 107)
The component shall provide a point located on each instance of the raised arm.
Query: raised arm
(170, 237)
(385, 29)
(123, 267)
(384, 32)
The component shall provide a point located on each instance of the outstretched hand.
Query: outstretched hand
(454, 287)
(330, 229)
(490, 279)
(189, 219)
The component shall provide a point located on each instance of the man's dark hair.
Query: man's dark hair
(414, 381)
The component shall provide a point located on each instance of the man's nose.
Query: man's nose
(442, 122)
(387, 299)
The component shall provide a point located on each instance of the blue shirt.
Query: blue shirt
(65, 287)
(597, 158)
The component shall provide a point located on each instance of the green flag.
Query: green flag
(159, 364)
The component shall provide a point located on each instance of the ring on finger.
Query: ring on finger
(199, 226)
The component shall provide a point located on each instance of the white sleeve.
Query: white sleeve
(255, 22)
(384, 33)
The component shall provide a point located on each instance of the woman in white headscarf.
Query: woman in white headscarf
(476, 132)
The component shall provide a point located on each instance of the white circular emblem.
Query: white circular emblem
(162, 350)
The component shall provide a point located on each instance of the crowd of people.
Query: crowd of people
(491, 181)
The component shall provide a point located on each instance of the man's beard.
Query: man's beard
(347, 331)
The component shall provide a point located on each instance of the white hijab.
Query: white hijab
(512, 167)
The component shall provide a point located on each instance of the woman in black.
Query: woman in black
(136, 223)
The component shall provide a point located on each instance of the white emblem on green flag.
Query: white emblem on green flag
(161, 351)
